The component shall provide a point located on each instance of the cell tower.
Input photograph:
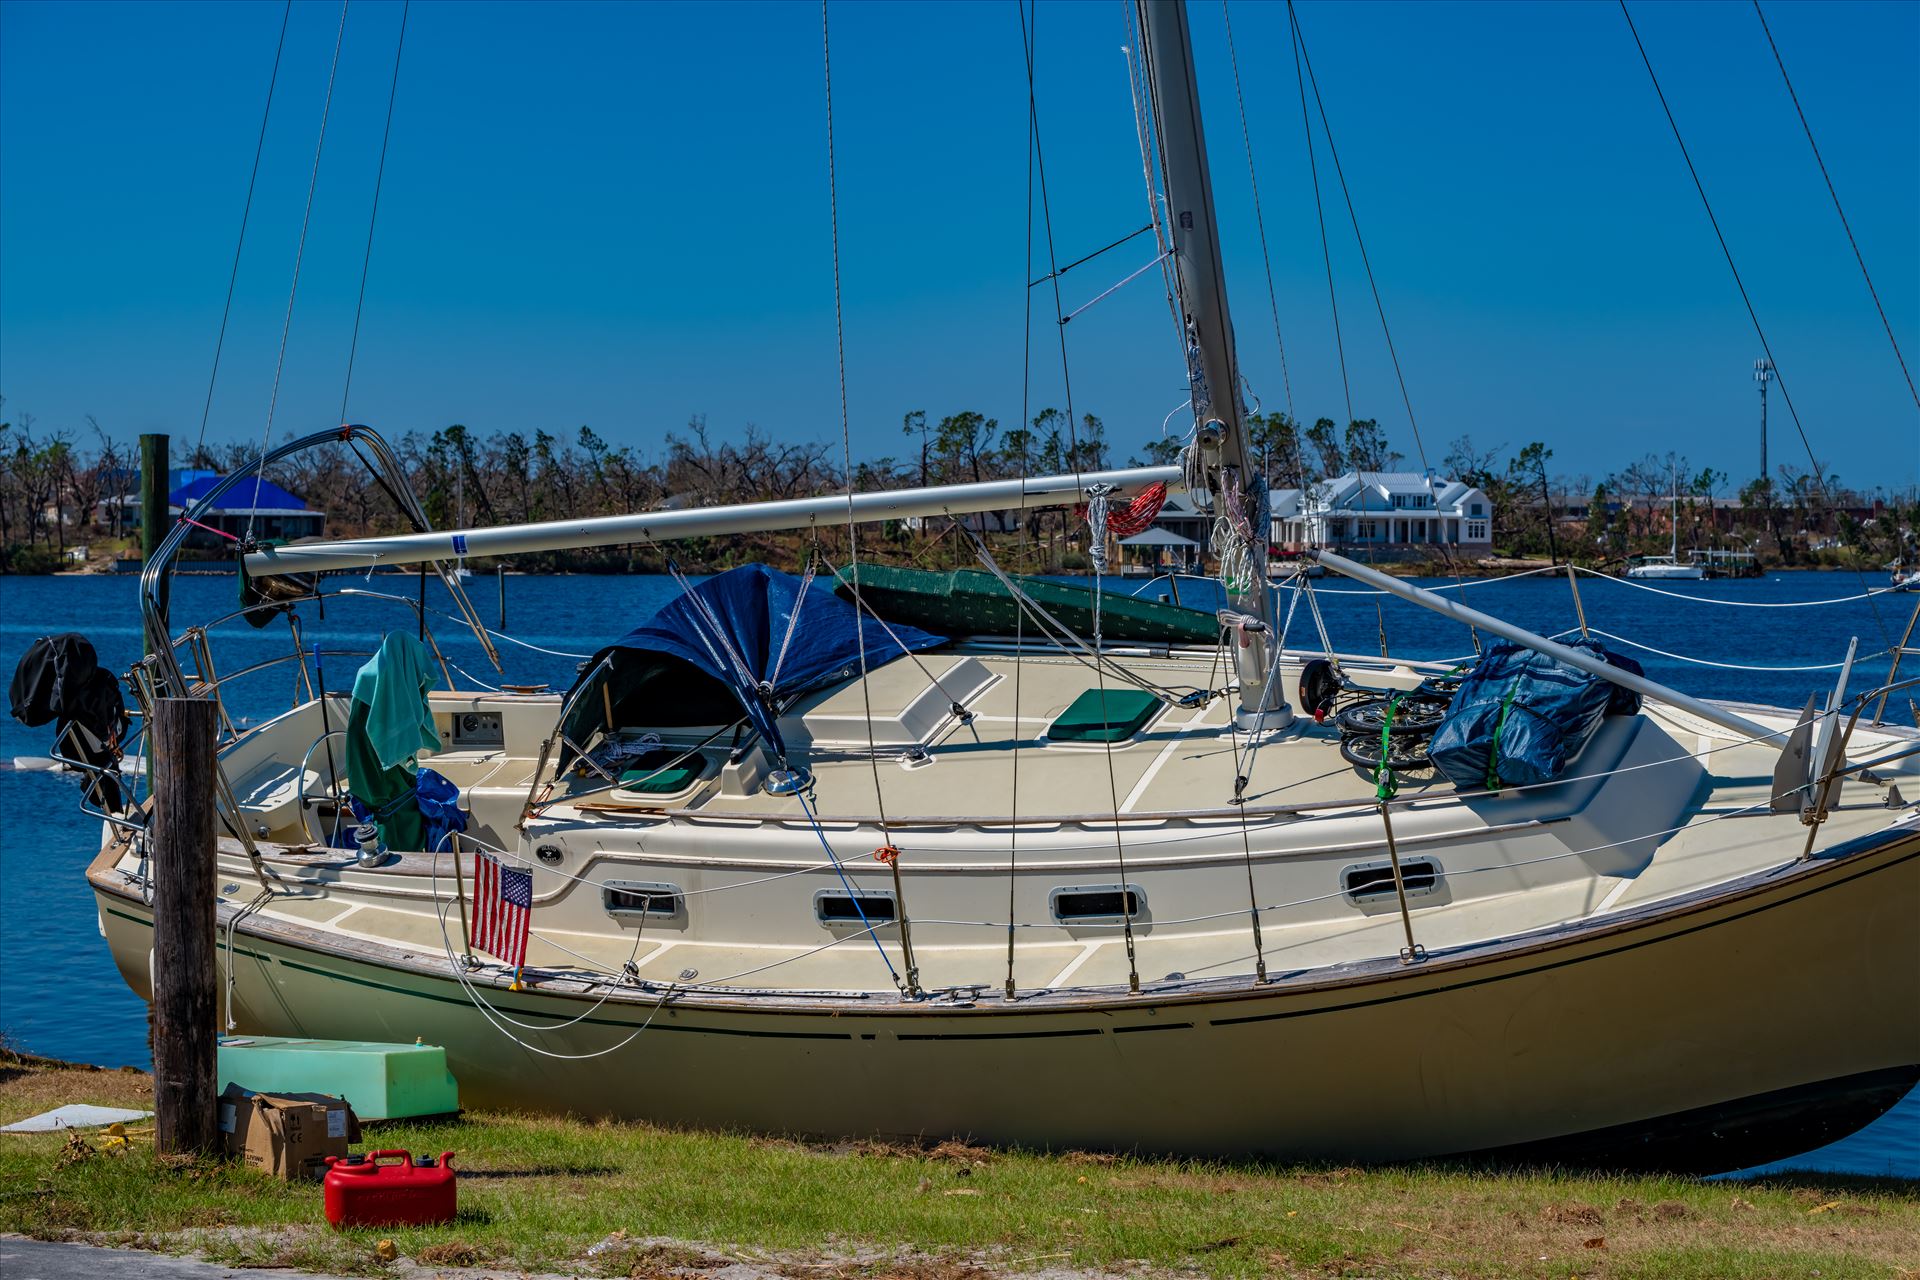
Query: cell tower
(1763, 374)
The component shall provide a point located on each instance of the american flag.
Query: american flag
(502, 909)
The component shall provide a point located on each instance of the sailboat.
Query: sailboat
(1025, 864)
(1669, 566)
(460, 569)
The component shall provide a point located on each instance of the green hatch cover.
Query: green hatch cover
(1111, 715)
(666, 781)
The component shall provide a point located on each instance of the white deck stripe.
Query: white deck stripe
(1074, 965)
(1140, 787)
(1613, 896)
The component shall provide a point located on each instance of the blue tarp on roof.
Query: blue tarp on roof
(254, 494)
(733, 627)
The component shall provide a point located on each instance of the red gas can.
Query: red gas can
(363, 1192)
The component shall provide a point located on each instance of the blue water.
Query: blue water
(59, 992)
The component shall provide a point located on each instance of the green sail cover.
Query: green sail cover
(975, 602)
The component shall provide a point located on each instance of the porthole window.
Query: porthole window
(1371, 881)
(1096, 903)
(835, 907)
(638, 898)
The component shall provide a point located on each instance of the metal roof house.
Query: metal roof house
(257, 506)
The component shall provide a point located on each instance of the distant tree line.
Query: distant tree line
(59, 488)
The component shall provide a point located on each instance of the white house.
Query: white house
(1374, 510)
(1384, 509)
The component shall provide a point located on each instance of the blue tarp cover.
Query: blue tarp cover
(733, 627)
(1519, 716)
(255, 494)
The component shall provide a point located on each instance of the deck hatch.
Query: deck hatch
(663, 772)
(1104, 715)
(836, 907)
(1371, 881)
(1096, 903)
(640, 898)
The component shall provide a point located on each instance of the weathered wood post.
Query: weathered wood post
(185, 984)
(155, 514)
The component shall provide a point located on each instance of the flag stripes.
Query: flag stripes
(503, 909)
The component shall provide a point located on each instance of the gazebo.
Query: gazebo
(1155, 541)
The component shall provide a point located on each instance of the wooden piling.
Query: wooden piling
(185, 981)
(156, 517)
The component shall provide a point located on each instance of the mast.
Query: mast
(1213, 368)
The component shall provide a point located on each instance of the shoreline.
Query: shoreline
(1504, 567)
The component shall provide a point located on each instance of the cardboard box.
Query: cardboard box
(289, 1135)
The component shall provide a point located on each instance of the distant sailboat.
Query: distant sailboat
(460, 569)
(1669, 565)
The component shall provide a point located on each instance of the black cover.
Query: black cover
(1520, 716)
(59, 679)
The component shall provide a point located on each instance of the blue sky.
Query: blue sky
(617, 215)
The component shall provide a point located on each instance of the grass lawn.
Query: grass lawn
(537, 1193)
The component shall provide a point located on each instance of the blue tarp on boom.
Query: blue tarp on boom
(734, 628)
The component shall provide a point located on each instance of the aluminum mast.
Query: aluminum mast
(1213, 369)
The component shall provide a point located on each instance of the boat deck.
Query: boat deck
(1658, 805)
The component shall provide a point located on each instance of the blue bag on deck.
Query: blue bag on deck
(440, 812)
(1520, 716)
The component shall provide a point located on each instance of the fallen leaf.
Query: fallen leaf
(385, 1251)
(963, 1191)
(1597, 1242)
(1823, 1208)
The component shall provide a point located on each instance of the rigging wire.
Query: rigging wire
(1845, 225)
(246, 212)
(299, 256)
(373, 216)
(1078, 262)
(1073, 444)
(1259, 218)
(1868, 594)
(1319, 207)
(1360, 241)
(1753, 315)
(911, 985)
(1137, 93)
(1026, 524)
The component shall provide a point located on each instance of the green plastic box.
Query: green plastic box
(380, 1081)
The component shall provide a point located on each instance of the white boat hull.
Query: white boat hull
(1684, 1036)
(1668, 572)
